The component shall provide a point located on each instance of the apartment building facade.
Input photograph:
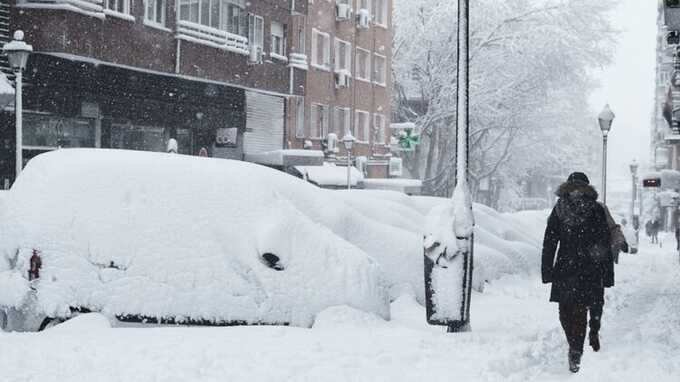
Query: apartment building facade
(234, 78)
(348, 84)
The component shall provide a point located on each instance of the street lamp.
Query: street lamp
(17, 54)
(348, 142)
(634, 218)
(605, 119)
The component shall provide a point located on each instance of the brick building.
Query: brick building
(235, 77)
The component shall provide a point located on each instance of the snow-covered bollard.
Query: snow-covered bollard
(447, 273)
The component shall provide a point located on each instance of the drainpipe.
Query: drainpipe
(178, 56)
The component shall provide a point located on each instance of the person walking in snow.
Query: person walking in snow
(655, 227)
(582, 267)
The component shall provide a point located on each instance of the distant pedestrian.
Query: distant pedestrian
(655, 228)
(582, 267)
(203, 152)
(648, 229)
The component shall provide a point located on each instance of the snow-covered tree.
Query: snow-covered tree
(529, 84)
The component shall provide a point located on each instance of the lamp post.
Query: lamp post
(17, 54)
(605, 120)
(633, 172)
(348, 142)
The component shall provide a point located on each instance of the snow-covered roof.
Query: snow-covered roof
(288, 158)
(407, 186)
(330, 175)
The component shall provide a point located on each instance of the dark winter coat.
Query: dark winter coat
(577, 223)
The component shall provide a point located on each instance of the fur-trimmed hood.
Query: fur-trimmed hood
(575, 189)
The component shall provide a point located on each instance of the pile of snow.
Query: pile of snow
(177, 236)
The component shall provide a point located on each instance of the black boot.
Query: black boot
(574, 361)
(594, 341)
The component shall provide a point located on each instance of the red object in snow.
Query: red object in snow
(203, 152)
(36, 264)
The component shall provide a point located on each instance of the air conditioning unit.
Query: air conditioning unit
(395, 167)
(363, 18)
(256, 54)
(343, 11)
(341, 79)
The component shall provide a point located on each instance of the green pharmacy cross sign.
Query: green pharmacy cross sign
(408, 140)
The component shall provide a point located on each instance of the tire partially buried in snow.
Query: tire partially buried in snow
(178, 237)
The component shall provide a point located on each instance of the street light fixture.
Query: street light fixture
(17, 54)
(605, 120)
(348, 142)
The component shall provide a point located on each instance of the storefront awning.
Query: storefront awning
(6, 91)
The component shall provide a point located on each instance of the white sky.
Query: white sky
(628, 85)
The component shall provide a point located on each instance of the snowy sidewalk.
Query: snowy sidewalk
(516, 337)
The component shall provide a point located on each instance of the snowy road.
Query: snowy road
(516, 337)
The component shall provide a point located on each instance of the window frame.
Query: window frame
(281, 43)
(367, 65)
(347, 113)
(300, 117)
(325, 38)
(380, 129)
(152, 20)
(366, 136)
(319, 132)
(253, 39)
(347, 47)
(376, 58)
(380, 10)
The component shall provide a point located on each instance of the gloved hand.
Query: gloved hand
(625, 248)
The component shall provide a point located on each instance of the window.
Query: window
(155, 11)
(363, 64)
(379, 69)
(343, 56)
(341, 124)
(319, 121)
(364, 4)
(120, 6)
(278, 32)
(226, 15)
(256, 31)
(379, 128)
(361, 127)
(380, 12)
(301, 40)
(321, 53)
(299, 117)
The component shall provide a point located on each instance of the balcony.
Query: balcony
(94, 8)
(298, 60)
(201, 34)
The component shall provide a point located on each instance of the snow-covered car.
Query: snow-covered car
(173, 238)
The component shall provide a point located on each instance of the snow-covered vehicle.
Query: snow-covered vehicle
(179, 239)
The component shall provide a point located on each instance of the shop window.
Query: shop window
(135, 137)
(47, 132)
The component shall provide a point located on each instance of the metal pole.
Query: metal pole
(19, 129)
(604, 168)
(632, 202)
(349, 175)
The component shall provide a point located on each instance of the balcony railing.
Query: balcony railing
(88, 7)
(217, 38)
(298, 60)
